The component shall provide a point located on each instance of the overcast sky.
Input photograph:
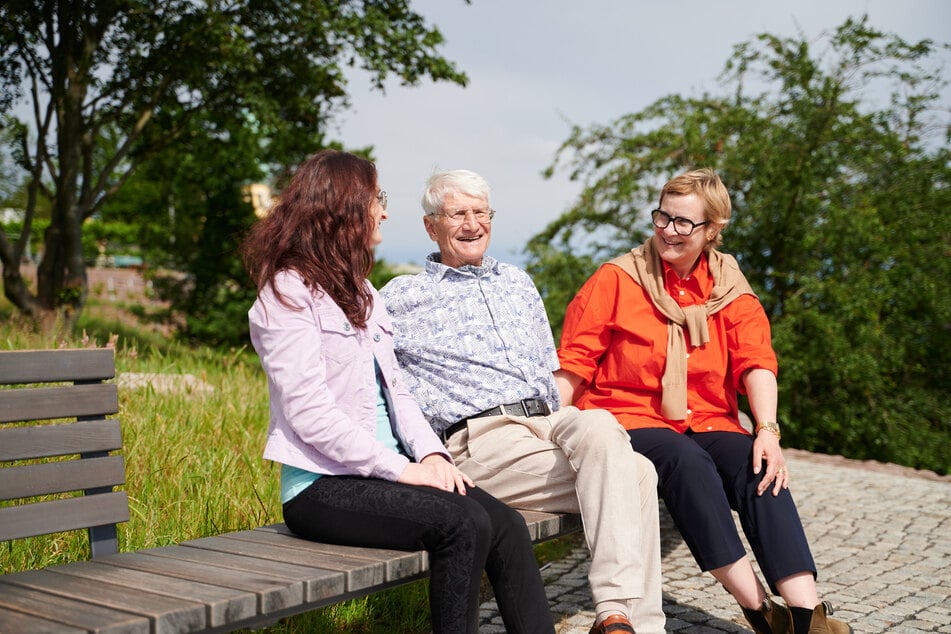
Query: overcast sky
(537, 67)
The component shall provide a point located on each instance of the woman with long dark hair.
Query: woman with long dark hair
(360, 464)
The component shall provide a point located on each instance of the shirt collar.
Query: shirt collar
(699, 276)
(438, 270)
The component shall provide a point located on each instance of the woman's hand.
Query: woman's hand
(766, 449)
(762, 392)
(437, 472)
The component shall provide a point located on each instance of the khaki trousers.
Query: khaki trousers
(578, 462)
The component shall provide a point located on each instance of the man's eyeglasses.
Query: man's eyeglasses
(682, 226)
(458, 216)
(381, 196)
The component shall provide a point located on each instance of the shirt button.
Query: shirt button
(346, 326)
(689, 412)
(687, 355)
(709, 428)
(681, 293)
(376, 337)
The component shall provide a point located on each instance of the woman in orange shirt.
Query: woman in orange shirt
(665, 337)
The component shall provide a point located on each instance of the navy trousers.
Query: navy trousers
(701, 478)
(463, 535)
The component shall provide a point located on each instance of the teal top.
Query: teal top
(294, 480)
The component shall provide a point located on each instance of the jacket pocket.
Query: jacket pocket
(339, 339)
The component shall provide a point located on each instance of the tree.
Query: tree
(837, 224)
(189, 213)
(110, 84)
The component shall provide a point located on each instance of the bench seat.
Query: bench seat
(245, 579)
(58, 435)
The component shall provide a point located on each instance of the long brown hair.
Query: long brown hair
(321, 228)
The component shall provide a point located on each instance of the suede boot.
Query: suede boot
(772, 618)
(818, 621)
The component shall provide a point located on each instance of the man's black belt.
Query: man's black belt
(526, 407)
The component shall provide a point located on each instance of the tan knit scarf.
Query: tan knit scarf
(644, 265)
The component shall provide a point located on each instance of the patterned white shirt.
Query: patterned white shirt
(471, 338)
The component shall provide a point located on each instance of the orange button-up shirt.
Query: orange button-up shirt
(616, 341)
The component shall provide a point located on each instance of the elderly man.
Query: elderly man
(474, 341)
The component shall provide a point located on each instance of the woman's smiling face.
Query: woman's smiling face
(682, 252)
(377, 215)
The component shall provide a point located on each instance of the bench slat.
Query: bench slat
(49, 366)
(545, 526)
(59, 477)
(223, 605)
(319, 583)
(71, 612)
(45, 441)
(11, 621)
(54, 516)
(359, 572)
(279, 534)
(397, 564)
(66, 401)
(167, 615)
(273, 592)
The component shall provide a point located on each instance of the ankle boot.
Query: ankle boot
(819, 620)
(772, 618)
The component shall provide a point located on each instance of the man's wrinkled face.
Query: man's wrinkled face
(462, 239)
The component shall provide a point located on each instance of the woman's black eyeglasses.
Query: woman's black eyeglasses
(682, 226)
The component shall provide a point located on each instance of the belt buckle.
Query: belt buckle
(526, 407)
(531, 406)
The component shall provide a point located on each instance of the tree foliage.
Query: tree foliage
(188, 212)
(109, 84)
(838, 204)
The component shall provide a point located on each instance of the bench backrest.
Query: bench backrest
(56, 438)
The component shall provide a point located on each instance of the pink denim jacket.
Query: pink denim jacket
(322, 385)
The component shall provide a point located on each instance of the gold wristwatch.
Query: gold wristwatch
(770, 426)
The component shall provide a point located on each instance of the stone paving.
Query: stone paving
(880, 534)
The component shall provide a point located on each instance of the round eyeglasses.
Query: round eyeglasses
(458, 216)
(682, 226)
(381, 196)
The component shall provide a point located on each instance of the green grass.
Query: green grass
(194, 467)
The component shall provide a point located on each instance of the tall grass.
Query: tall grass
(194, 468)
(193, 465)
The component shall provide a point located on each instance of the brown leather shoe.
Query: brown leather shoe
(614, 623)
(822, 624)
(772, 618)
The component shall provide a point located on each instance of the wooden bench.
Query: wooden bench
(221, 583)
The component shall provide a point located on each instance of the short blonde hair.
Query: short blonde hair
(716, 199)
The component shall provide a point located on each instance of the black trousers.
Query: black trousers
(701, 478)
(463, 535)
